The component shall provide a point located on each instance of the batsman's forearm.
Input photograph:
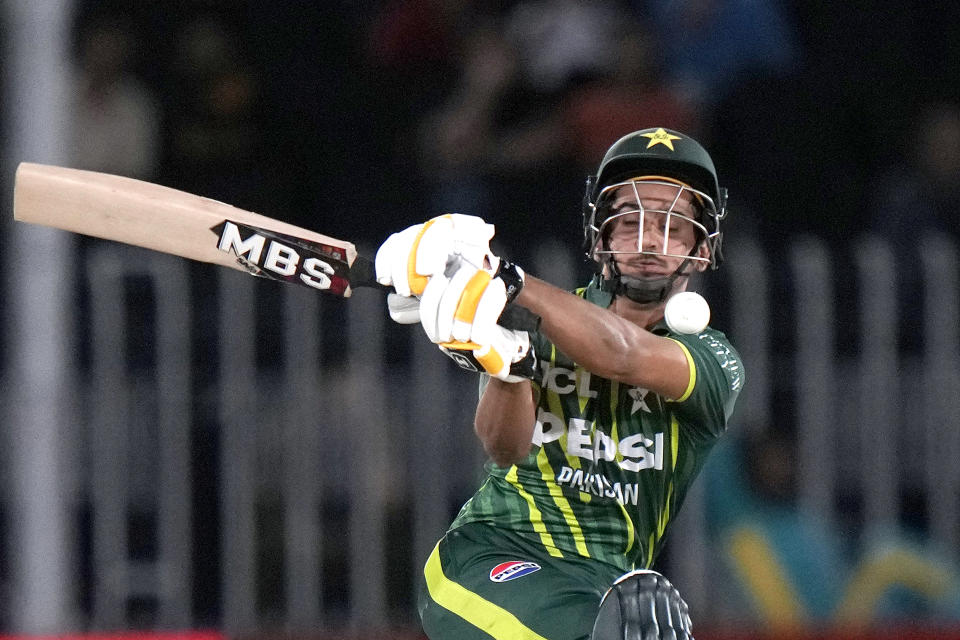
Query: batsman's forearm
(595, 338)
(505, 420)
(605, 343)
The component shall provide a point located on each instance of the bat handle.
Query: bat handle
(513, 316)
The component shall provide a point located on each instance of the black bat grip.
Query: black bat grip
(515, 317)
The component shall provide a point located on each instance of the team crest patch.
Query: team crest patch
(512, 570)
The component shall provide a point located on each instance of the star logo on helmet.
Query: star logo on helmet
(660, 136)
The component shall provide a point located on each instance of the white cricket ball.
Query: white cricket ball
(687, 312)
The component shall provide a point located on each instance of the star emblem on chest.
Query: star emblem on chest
(639, 397)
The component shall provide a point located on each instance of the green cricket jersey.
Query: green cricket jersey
(611, 463)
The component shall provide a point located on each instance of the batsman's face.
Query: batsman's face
(651, 228)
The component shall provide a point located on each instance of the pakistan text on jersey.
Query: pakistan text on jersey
(599, 485)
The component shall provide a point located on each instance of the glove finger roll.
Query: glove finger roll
(429, 305)
(428, 256)
(465, 314)
(382, 261)
(449, 304)
(397, 251)
(428, 253)
(488, 310)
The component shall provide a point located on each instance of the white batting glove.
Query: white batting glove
(508, 356)
(407, 259)
(464, 303)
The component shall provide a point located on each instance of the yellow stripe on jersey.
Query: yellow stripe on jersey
(665, 515)
(674, 441)
(584, 400)
(546, 472)
(614, 433)
(631, 531)
(692, 382)
(481, 613)
(536, 518)
(614, 424)
(556, 408)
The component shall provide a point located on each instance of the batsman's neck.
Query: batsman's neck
(644, 315)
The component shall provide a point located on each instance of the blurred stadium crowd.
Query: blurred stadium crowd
(365, 116)
(358, 118)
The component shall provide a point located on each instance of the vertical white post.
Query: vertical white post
(238, 484)
(36, 91)
(370, 438)
(302, 428)
(813, 274)
(879, 389)
(750, 300)
(939, 261)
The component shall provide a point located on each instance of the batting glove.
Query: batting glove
(407, 259)
(463, 303)
(508, 356)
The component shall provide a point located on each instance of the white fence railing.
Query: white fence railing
(340, 445)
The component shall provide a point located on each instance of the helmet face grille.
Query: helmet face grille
(657, 227)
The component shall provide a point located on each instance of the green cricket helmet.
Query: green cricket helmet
(659, 156)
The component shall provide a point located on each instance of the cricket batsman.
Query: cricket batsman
(597, 423)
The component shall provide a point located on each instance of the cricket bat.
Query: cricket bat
(170, 221)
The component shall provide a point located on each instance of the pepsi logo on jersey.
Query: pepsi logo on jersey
(506, 571)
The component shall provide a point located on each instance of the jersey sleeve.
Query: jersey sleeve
(716, 378)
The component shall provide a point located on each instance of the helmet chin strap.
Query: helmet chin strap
(643, 290)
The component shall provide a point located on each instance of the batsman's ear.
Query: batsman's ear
(703, 251)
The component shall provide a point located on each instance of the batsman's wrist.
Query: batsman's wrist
(525, 368)
(512, 277)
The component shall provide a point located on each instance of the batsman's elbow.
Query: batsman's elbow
(504, 446)
(506, 456)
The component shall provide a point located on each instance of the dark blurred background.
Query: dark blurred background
(362, 117)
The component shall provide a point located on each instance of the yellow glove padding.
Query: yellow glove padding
(407, 259)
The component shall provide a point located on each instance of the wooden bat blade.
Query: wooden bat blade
(175, 222)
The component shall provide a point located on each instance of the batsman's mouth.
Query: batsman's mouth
(649, 267)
